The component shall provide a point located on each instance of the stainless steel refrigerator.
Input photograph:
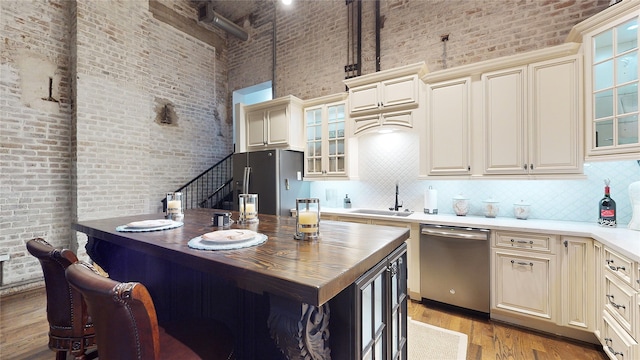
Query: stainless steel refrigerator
(275, 175)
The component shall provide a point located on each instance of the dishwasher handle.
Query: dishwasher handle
(475, 234)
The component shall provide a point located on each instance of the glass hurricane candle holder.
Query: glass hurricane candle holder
(175, 209)
(248, 207)
(307, 219)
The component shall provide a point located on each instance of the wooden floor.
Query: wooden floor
(23, 333)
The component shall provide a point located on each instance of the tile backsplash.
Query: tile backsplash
(385, 159)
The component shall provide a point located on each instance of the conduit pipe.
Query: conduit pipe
(206, 14)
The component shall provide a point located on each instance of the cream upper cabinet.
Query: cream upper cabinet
(448, 127)
(384, 94)
(274, 124)
(387, 98)
(611, 82)
(326, 136)
(504, 121)
(532, 118)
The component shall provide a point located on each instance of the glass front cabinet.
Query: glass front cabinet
(326, 138)
(611, 83)
(379, 308)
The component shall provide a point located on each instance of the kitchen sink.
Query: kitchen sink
(382, 212)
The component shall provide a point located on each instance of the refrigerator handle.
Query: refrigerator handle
(245, 185)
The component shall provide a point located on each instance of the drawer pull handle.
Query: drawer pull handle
(615, 353)
(513, 241)
(615, 268)
(610, 297)
(521, 263)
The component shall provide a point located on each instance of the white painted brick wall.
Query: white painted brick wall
(35, 161)
(107, 156)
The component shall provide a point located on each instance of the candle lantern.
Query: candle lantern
(307, 219)
(248, 207)
(175, 210)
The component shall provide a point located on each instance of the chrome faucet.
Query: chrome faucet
(397, 206)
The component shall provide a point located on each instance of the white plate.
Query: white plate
(148, 224)
(228, 236)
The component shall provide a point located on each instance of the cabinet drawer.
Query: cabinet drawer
(524, 284)
(616, 342)
(619, 265)
(525, 241)
(619, 302)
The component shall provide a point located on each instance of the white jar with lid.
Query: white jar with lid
(460, 205)
(521, 210)
(491, 207)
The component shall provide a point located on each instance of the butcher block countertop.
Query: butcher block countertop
(621, 239)
(311, 272)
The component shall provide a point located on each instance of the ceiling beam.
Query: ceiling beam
(185, 24)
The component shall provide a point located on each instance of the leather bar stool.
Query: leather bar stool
(70, 328)
(127, 326)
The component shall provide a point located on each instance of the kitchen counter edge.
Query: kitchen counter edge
(621, 238)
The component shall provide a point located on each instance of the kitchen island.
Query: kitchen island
(303, 299)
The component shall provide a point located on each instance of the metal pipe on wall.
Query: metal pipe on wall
(273, 56)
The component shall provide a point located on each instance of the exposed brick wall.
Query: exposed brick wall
(105, 156)
(35, 160)
(312, 38)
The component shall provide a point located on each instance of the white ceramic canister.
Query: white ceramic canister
(491, 207)
(460, 205)
(521, 210)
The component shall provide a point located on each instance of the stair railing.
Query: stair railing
(213, 188)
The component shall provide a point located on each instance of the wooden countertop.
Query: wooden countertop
(312, 272)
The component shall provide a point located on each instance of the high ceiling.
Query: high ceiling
(236, 9)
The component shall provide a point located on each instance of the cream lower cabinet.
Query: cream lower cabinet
(620, 318)
(524, 268)
(577, 281)
(524, 283)
(545, 281)
(598, 256)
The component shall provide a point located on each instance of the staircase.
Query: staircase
(212, 189)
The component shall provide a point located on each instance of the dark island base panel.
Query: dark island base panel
(265, 327)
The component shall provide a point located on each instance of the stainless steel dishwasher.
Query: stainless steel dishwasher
(454, 266)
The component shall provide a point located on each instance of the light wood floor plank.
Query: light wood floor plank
(494, 340)
(23, 333)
